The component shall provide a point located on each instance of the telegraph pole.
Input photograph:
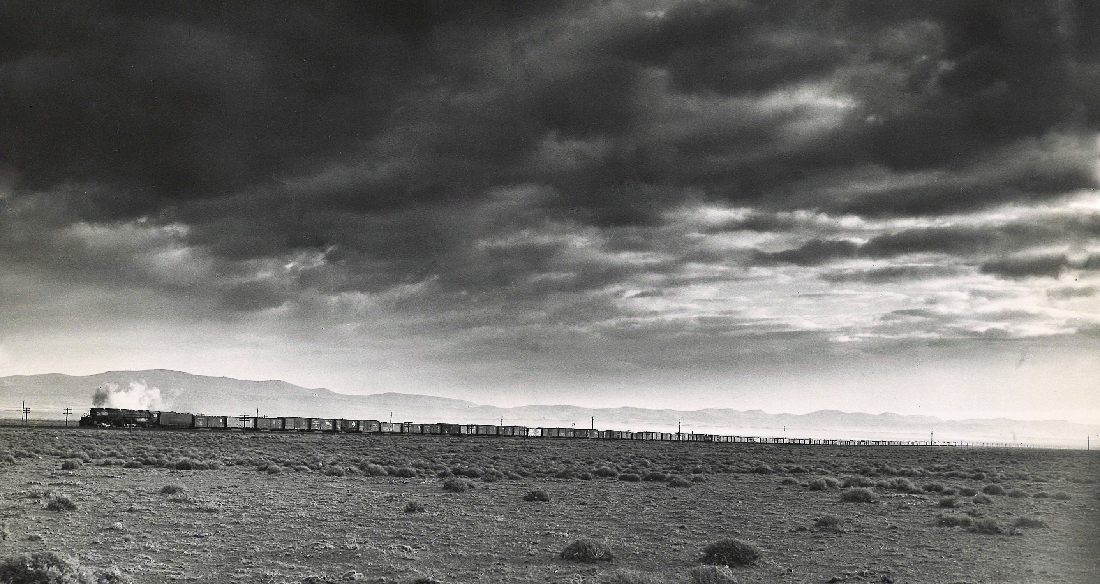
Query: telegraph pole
(68, 412)
(26, 413)
(931, 438)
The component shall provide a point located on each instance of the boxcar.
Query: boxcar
(347, 425)
(485, 430)
(218, 422)
(586, 433)
(265, 423)
(646, 436)
(430, 428)
(513, 431)
(370, 426)
(295, 424)
(451, 429)
(390, 428)
(411, 428)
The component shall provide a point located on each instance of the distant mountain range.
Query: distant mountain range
(49, 394)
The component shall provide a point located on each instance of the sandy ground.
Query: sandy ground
(235, 523)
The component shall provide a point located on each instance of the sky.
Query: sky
(864, 205)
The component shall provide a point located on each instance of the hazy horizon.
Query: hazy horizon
(859, 205)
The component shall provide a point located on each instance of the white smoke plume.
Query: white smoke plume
(138, 396)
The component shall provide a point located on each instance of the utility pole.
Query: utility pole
(931, 438)
(26, 413)
(593, 422)
(68, 412)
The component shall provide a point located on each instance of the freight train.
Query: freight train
(119, 418)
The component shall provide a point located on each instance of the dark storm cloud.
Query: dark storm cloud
(892, 274)
(962, 241)
(1070, 292)
(1040, 266)
(293, 149)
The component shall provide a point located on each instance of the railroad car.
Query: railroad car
(390, 428)
(586, 433)
(211, 422)
(451, 429)
(370, 426)
(513, 431)
(411, 428)
(295, 424)
(175, 420)
(266, 424)
(431, 429)
(485, 430)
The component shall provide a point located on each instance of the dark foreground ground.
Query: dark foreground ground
(183, 506)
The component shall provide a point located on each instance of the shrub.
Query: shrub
(788, 481)
(730, 552)
(856, 481)
(172, 489)
(762, 469)
(133, 464)
(949, 502)
(967, 491)
(859, 495)
(678, 481)
(953, 520)
(1030, 522)
(48, 568)
(629, 477)
(1061, 496)
(902, 485)
(982, 499)
(1041, 495)
(827, 523)
(990, 527)
(457, 485)
(60, 503)
(630, 577)
(605, 471)
(934, 488)
(70, 465)
(712, 575)
(414, 507)
(655, 476)
(404, 472)
(537, 496)
(374, 470)
(993, 489)
(587, 551)
(823, 484)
